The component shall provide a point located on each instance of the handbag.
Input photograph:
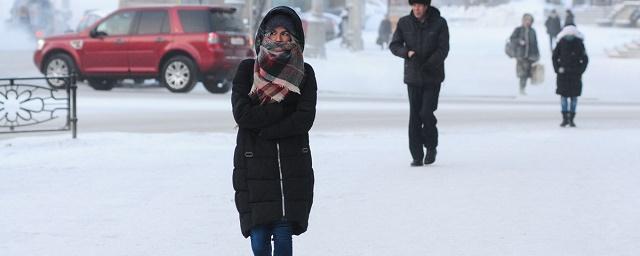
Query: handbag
(537, 73)
(510, 49)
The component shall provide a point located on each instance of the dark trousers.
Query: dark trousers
(423, 101)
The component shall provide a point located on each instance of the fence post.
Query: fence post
(74, 117)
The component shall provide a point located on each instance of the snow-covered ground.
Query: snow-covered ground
(509, 190)
(508, 180)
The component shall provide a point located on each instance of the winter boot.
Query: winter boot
(523, 84)
(431, 156)
(565, 119)
(416, 163)
(571, 116)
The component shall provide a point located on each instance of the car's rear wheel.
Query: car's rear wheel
(101, 84)
(58, 65)
(217, 86)
(179, 74)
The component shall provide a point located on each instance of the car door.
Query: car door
(151, 35)
(105, 52)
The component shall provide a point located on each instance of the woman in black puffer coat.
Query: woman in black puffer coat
(274, 105)
(569, 62)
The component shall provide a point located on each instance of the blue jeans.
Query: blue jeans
(566, 107)
(261, 239)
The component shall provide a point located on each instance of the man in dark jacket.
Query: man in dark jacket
(422, 40)
(553, 27)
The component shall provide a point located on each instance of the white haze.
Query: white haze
(18, 39)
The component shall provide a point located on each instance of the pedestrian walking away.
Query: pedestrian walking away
(553, 27)
(344, 28)
(569, 18)
(422, 40)
(570, 61)
(526, 50)
(384, 32)
(274, 105)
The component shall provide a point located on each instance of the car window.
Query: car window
(87, 21)
(118, 24)
(225, 21)
(204, 21)
(194, 21)
(153, 22)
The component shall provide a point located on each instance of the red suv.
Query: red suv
(178, 45)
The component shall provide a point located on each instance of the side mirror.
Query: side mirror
(95, 33)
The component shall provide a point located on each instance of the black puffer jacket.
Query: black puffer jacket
(430, 41)
(571, 56)
(273, 145)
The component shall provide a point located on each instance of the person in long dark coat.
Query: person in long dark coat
(553, 27)
(384, 32)
(274, 106)
(569, 18)
(422, 40)
(526, 50)
(570, 60)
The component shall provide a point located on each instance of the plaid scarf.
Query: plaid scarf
(278, 70)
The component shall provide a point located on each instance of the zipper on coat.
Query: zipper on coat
(281, 180)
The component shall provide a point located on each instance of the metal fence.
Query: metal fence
(26, 106)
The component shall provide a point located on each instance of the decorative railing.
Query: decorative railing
(26, 107)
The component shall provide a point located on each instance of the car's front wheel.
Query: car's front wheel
(179, 74)
(217, 86)
(101, 84)
(58, 65)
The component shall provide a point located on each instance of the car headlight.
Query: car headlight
(77, 44)
(41, 43)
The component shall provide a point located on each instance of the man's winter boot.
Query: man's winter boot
(523, 84)
(416, 163)
(431, 156)
(565, 119)
(571, 116)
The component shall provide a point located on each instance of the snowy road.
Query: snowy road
(156, 110)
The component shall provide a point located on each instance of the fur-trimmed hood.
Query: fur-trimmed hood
(570, 31)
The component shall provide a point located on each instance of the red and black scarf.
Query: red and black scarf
(278, 70)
